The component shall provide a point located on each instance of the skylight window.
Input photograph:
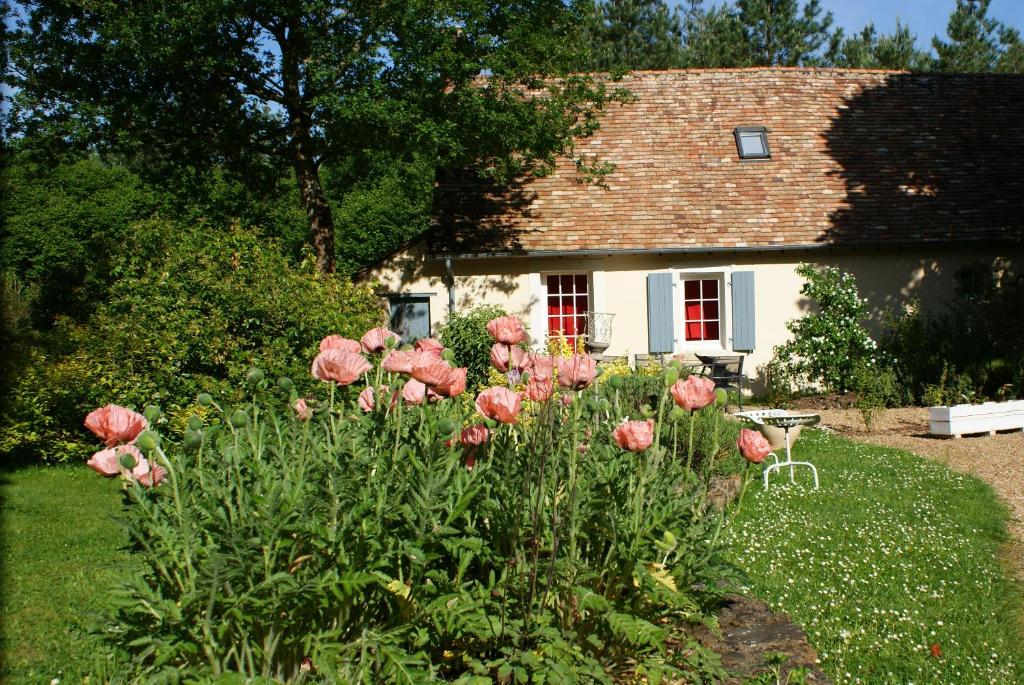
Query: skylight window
(752, 142)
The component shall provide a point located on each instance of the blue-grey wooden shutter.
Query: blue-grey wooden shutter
(743, 311)
(660, 326)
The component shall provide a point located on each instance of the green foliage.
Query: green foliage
(950, 389)
(877, 387)
(260, 89)
(465, 334)
(969, 336)
(869, 50)
(63, 229)
(977, 42)
(714, 37)
(624, 35)
(781, 33)
(365, 543)
(829, 342)
(192, 310)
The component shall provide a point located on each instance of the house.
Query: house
(724, 181)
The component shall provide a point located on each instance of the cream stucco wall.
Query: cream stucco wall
(888, 279)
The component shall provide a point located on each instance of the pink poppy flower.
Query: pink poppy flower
(576, 372)
(375, 339)
(153, 477)
(694, 392)
(474, 435)
(108, 462)
(429, 345)
(507, 330)
(539, 366)
(635, 436)
(539, 389)
(414, 392)
(454, 385)
(114, 424)
(366, 400)
(499, 404)
(501, 358)
(430, 370)
(302, 410)
(344, 368)
(753, 446)
(336, 342)
(399, 361)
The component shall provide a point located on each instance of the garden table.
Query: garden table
(785, 423)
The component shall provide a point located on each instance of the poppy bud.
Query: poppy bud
(148, 441)
(205, 399)
(721, 397)
(446, 426)
(676, 414)
(127, 461)
(239, 419)
(285, 383)
(195, 423)
(193, 440)
(390, 342)
(615, 382)
(670, 376)
(254, 376)
(152, 413)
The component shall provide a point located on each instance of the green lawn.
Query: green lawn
(893, 555)
(59, 548)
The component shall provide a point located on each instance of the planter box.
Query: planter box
(976, 418)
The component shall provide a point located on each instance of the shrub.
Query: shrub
(372, 546)
(877, 388)
(465, 333)
(829, 342)
(952, 388)
(65, 226)
(192, 311)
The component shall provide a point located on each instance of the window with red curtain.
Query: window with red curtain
(568, 302)
(701, 310)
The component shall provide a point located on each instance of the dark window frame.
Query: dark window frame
(740, 130)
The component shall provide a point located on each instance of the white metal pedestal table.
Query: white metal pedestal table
(785, 423)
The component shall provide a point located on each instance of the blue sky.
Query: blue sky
(925, 17)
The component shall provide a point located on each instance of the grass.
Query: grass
(59, 548)
(891, 567)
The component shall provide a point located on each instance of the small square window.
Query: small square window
(410, 316)
(752, 142)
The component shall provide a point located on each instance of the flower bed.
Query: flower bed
(395, 529)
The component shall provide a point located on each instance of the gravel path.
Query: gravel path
(997, 459)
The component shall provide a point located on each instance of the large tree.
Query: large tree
(758, 33)
(248, 84)
(978, 42)
(632, 34)
(872, 50)
(714, 37)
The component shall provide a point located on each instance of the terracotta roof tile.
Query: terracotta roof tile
(857, 157)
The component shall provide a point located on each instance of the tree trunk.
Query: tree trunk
(318, 211)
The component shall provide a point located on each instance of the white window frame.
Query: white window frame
(724, 276)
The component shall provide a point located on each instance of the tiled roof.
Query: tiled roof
(858, 157)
